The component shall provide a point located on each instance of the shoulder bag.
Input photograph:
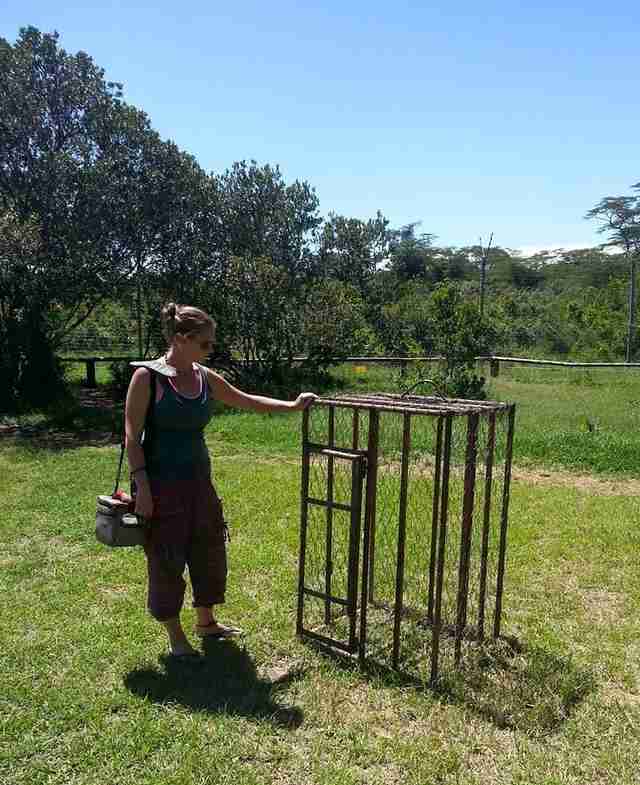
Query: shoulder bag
(117, 524)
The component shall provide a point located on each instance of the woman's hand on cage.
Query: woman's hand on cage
(304, 400)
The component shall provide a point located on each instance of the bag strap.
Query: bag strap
(148, 426)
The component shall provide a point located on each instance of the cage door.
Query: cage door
(330, 527)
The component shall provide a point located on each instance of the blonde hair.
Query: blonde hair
(183, 320)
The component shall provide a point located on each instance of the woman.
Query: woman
(171, 472)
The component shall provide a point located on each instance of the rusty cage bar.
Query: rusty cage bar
(404, 523)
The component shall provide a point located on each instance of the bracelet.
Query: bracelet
(139, 469)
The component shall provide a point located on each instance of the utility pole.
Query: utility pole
(484, 259)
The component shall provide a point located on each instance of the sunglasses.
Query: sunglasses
(206, 346)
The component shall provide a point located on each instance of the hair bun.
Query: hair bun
(184, 319)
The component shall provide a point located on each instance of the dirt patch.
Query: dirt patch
(254, 459)
(91, 417)
(601, 606)
(587, 483)
(614, 694)
(47, 548)
(51, 439)
(97, 398)
(281, 671)
(115, 592)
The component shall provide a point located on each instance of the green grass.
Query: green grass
(87, 697)
(77, 372)
(586, 421)
(582, 420)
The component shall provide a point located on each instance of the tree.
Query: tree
(619, 218)
(58, 120)
(264, 217)
(333, 324)
(406, 326)
(19, 337)
(411, 256)
(120, 213)
(350, 250)
(460, 337)
(267, 327)
(582, 267)
(60, 123)
(166, 217)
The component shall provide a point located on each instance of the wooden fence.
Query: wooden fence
(494, 362)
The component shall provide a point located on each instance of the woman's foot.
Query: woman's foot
(183, 650)
(216, 630)
(179, 645)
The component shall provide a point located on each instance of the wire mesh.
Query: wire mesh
(437, 484)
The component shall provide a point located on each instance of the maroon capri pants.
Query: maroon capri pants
(187, 529)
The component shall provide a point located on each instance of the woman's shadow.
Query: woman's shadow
(225, 680)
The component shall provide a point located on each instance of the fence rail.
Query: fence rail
(494, 362)
(90, 365)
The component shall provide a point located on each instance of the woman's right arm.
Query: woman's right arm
(138, 398)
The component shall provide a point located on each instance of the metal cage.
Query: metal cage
(403, 534)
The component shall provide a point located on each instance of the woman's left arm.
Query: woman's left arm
(232, 396)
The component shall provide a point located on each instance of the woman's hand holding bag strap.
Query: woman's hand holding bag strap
(117, 525)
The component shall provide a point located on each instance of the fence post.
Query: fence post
(494, 367)
(90, 362)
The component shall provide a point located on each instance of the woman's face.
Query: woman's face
(198, 346)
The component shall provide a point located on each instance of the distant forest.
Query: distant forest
(101, 221)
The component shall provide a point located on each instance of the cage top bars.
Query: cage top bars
(414, 404)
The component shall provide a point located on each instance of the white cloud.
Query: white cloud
(530, 250)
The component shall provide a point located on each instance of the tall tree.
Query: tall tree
(619, 218)
(19, 246)
(411, 256)
(267, 325)
(350, 249)
(263, 217)
(112, 202)
(165, 218)
(55, 113)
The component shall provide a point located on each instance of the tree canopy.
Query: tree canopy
(101, 220)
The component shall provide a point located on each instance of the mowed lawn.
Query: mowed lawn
(88, 697)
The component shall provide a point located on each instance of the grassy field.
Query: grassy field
(583, 421)
(88, 696)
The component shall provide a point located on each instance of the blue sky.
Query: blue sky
(469, 119)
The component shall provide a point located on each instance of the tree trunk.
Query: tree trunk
(40, 379)
(139, 303)
(631, 337)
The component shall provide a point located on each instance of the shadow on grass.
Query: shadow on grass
(224, 681)
(527, 689)
(87, 417)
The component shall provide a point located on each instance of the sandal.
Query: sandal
(185, 656)
(216, 630)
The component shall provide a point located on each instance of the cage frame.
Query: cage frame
(362, 510)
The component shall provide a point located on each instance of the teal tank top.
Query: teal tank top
(176, 449)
